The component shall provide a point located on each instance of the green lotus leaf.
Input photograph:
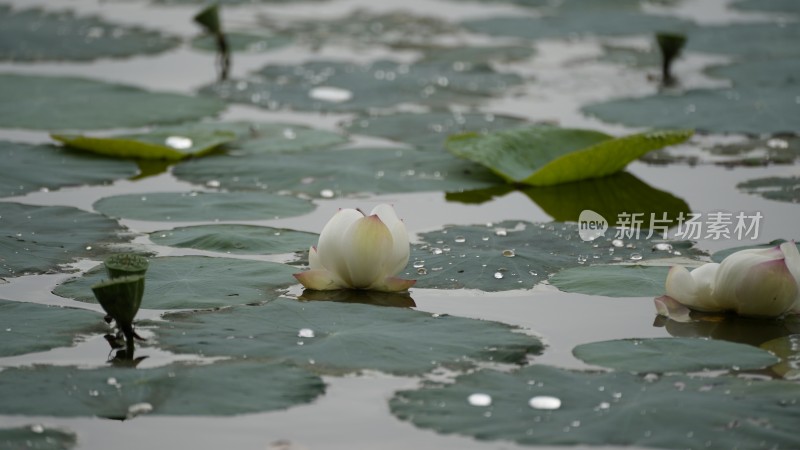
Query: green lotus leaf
(50, 103)
(54, 168)
(196, 206)
(752, 42)
(36, 437)
(600, 21)
(759, 102)
(236, 239)
(518, 255)
(782, 189)
(222, 389)
(157, 144)
(244, 41)
(769, 5)
(613, 280)
(673, 355)
(37, 239)
(464, 56)
(341, 172)
(348, 87)
(609, 409)
(182, 282)
(545, 156)
(428, 130)
(29, 328)
(37, 35)
(267, 137)
(362, 28)
(336, 337)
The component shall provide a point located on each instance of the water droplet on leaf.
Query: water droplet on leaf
(305, 333)
(479, 399)
(545, 402)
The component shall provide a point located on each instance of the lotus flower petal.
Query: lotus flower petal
(669, 307)
(319, 280)
(753, 282)
(401, 249)
(366, 246)
(329, 247)
(359, 252)
(693, 289)
(766, 289)
(392, 284)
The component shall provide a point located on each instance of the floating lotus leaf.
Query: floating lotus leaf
(37, 35)
(37, 239)
(609, 409)
(428, 130)
(760, 152)
(36, 437)
(673, 355)
(545, 156)
(745, 110)
(782, 189)
(517, 255)
(590, 21)
(752, 42)
(465, 56)
(759, 102)
(54, 168)
(334, 337)
(157, 144)
(769, 5)
(348, 87)
(222, 389)
(196, 206)
(182, 282)
(236, 239)
(362, 28)
(29, 328)
(340, 172)
(266, 137)
(613, 280)
(244, 41)
(50, 103)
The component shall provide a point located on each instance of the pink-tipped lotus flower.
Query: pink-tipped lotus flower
(357, 251)
(755, 283)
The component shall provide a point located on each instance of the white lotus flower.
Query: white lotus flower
(755, 282)
(356, 251)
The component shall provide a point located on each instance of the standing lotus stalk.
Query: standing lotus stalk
(358, 251)
(753, 282)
